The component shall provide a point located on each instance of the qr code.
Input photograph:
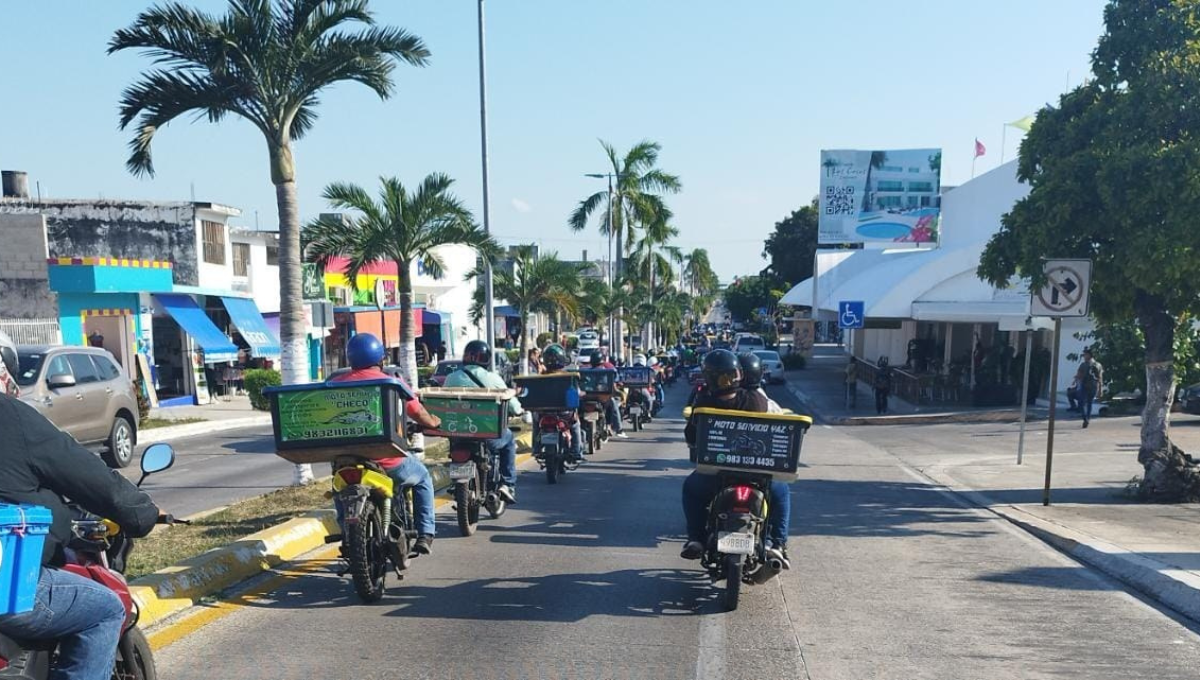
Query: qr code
(839, 201)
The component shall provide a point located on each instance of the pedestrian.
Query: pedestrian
(535, 361)
(851, 383)
(1090, 378)
(1073, 395)
(883, 385)
(441, 351)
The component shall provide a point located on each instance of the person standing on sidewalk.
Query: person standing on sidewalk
(851, 383)
(883, 385)
(1090, 379)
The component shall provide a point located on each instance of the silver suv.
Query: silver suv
(85, 393)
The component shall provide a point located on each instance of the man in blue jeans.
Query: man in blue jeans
(39, 465)
(475, 373)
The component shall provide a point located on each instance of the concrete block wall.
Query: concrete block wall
(24, 286)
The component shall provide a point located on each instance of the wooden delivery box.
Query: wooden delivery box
(598, 380)
(749, 442)
(553, 392)
(318, 422)
(467, 413)
(634, 376)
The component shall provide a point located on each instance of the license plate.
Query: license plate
(591, 416)
(635, 410)
(735, 544)
(461, 470)
(549, 440)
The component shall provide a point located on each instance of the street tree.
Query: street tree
(1113, 177)
(791, 247)
(267, 62)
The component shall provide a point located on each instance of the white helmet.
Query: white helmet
(653, 362)
(639, 360)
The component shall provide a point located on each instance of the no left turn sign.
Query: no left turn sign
(1066, 289)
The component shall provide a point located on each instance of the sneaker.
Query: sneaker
(1085, 424)
(779, 554)
(507, 493)
(692, 550)
(424, 545)
(622, 435)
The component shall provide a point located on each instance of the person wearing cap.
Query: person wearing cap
(555, 360)
(1090, 380)
(476, 373)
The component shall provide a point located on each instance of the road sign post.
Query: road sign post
(1025, 397)
(1066, 293)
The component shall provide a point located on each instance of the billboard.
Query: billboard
(880, 196)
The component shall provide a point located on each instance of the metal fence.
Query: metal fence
(32, 331)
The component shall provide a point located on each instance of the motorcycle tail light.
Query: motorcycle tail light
(460, 455)
(548, 423)
(352, 475)
(742, 493)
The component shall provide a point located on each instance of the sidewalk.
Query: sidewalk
(218, 416)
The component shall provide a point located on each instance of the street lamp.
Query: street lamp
(489, 312)
(613, 324)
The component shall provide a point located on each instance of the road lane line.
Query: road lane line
(710, 655)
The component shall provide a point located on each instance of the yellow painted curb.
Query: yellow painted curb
(172, 590)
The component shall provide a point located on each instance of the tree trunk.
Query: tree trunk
(523, 345)
(293, 340)
(1170, 474)
(408, 341)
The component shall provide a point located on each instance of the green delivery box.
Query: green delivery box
(318, 422)
(467, 413)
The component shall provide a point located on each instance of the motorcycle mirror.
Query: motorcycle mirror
(156, 458)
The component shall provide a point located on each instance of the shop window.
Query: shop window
(214, 242)
(273, 256)
(241, 259)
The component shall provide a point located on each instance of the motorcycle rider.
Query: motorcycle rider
(723, 390)
(555, 360)
(365, 354)
(8, 381)
(752, 374)
(39, 465)
(476, 360)
(612, 409)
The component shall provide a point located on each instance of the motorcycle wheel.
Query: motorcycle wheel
(368, 566)
(464, 501)
(637, 423)
(733, 581)
(135, 661)
(591, 440)
(552, 468)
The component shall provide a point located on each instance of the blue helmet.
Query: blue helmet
(364, 351)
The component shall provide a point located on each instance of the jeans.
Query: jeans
(612, 413)
(506, 449)
(699, 490)
(411, 472)
(1086, 397)
(576, 440)
(84, 616)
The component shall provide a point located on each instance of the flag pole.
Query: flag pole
(1003, 139)
(974, 158)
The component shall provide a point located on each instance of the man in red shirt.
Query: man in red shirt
(365, 354)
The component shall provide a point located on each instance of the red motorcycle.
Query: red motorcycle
(552, 443)
(98, 551)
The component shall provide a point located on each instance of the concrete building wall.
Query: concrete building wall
(126, 229)
(213, 275)
(24, 287)
(262, 280)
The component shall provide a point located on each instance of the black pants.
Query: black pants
(881, 399)
(1086, 397)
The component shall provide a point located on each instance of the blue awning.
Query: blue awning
(431, 317)
(252, 326)
(217, 347)
(507, 310)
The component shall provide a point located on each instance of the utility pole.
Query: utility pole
(488, 302)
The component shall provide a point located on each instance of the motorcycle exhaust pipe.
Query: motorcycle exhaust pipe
(775, 563)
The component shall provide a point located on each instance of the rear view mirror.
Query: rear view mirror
(156, 458)
(59, 381)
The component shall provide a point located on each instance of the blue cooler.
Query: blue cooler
(23, 530)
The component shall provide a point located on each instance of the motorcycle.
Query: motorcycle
(98, 550)
(475, 472)
(637, 408)
(594, 424)
(552, 443)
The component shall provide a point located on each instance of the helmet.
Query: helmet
(364, 351)
(554, 358)
(751, 370)
(722, 372)
(597, 359)
(639, 360)
(478, 353)
(8, 354)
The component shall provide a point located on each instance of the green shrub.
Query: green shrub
(573, 342)
(514, 355)
(256, 379)
(425, 372)
(544, 339)
(793, 362)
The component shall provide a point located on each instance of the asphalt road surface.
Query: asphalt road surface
(891, 578)
(217, 469)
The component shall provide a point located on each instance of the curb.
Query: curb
(1174, 588)
(993, 416)
(162, 434)
(170, 591)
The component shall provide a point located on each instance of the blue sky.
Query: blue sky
(742, 96)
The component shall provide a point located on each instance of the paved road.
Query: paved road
(217, 469)
(892, 578)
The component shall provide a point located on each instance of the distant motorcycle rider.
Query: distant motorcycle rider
(722, 377)
(555, 360)
(477, 357)
(752, 374)
(612, 407)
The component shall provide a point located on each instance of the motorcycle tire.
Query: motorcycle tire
(464, 502)
(637, 423)
(135, 660)
(368, 566)
(553, 467)
(733, 581)
(591, 441)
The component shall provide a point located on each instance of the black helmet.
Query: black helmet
(722, 372)
(555, 358)
(478, 353)
(8, 354)
(751, 370)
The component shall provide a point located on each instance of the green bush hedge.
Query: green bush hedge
(793, 362)
(256, 379)
(544, 339)
(514, 355)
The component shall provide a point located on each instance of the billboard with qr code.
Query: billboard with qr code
(880, 196)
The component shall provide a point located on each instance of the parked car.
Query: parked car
(443, 370)
(772, 365)
(85, 393)
(748, 343)
(589, 340)
(1189, 399)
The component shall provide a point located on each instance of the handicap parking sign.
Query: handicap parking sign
(851, 314)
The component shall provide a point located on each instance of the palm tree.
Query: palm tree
(535, 284)
(266, 61)
(700, 276)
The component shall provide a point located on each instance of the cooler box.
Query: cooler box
(318, 422)
(553, 392)
(634, 376)
(23, 530)
(468, 413)
(598, 380)
(739, 441)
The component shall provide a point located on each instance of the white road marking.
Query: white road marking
(710, 656)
